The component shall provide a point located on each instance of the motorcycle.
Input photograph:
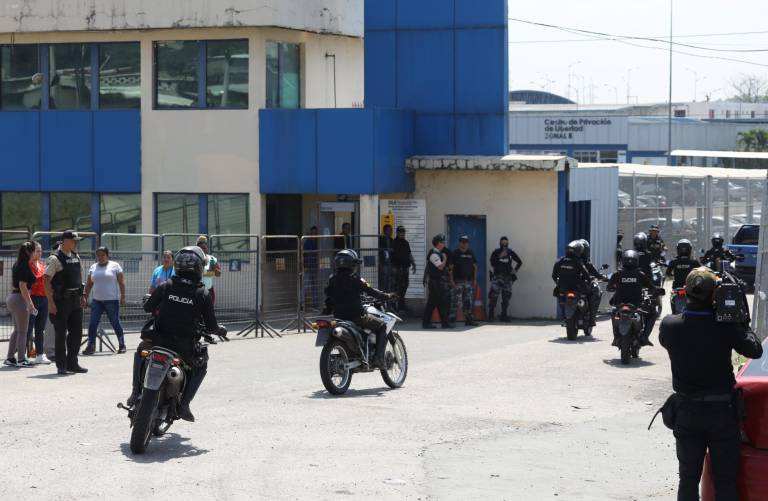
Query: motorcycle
(162, 382)
(349, 349)
(628, 324)
(657, 276)
(576, 314)
(677, 300)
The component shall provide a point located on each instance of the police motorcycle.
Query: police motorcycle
(629, 322)
(657, 277)
(349, 349)
(576, 314)
(162, 382)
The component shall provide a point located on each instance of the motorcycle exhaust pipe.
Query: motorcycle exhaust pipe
(175, 380)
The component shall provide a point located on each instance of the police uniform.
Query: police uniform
(656, 248)
(569, 274)
(707, 416)
(385, 263)
(66, 281)
(679, 268)
(402, 260)
(438, 288)
(644, 258)
(717, 253)
(463, 263)
(504, 275)
(627, 285)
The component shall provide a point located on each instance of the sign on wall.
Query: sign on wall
(412, 215)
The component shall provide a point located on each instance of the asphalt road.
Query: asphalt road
(495, 412)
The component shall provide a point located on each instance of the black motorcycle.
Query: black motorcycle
(348, 349)
(677, 300)
(628, 325)
(576, 313)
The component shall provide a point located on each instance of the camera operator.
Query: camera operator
(705, 404)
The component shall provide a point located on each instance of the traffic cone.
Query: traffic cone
(479, 309)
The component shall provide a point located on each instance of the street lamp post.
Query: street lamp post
(615, 92)
(569, 77)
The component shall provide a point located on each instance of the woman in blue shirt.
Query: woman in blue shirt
(163, 272)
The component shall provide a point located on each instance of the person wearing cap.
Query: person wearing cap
(707, 406)
(63, 283)
(212, 267)
(385, 258)
(438, 284)
(463, 273)
(505, 264)
(656, 246)
(402, 262)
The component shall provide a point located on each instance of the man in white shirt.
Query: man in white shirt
(212, 267)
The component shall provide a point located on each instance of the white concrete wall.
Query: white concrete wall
(521, 205)
(343, 17)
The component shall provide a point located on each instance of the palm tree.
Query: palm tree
(746, 140)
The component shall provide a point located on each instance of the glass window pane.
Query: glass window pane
(289, 76)
(119, 75)
(70, 76)
(20, 77)
(176, 74)
(228, 214)
(18, 212)
(71, 211)
(121, 214)
(273, 76)
(178, 213)
(227, 74)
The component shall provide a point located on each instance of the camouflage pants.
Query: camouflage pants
(462, 296)
(501, 284)
(400, 284)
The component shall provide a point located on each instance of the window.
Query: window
(176, 74)
(609, 157)
(283, 75)
(69, 75)
(20, 77)
(585, 156)
(71, 211)
(226, 74)
(228, 214)
(18, 212)
(178, 213)
(121, 213)
(119, 75)
(680, 113)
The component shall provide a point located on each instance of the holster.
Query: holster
(668, 412)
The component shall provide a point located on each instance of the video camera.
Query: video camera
(730, 300)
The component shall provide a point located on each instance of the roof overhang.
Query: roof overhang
(762, 155)
(508, 163)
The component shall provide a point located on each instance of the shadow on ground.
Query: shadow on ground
(370, 392)
(169, 446)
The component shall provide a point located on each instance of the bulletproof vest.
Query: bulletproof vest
(344, 290)
(644, 259)
(570, 273)
(655, 246)
(503, 264)
(433, 272)
(180, 310)
(629, 288)
(70, 277)
(683, 267)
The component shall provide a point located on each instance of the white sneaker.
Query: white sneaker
(42, 359)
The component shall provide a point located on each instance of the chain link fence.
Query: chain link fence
(760, 301)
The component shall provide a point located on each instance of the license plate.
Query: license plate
(155, 376)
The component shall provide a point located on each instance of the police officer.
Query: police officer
(463, 275)
(640, 243)
(343, 300)
(438, 284)
(402, 261)
(179, 304)
(503, 275)
(656, 246)
(63, 284)
(619, 248)
(681, 266)
(717, 254)
(569, 273)
(628, 284)
(707, 408)
(594, 289)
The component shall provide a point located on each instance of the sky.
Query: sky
(540, 56)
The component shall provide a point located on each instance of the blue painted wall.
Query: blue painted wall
(360, 151)
(76, 151)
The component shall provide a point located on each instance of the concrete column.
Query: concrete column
(369, 220)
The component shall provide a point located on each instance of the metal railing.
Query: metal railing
(280, 279)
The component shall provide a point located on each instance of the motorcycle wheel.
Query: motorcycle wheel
(571, 329)
(396, 362)
(335, 377)
(588, 328)
(626, 349)
(144, 421)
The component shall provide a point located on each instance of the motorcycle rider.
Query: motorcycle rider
(503, 275)
(656, 246)
(628, 284)
(705, 402)
(717, 253)
(640, 242)
(569, 273)
(681, 266)
(179, 304)
(343, 300)
(594, 289)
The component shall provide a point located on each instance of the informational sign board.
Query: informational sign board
(412, 215)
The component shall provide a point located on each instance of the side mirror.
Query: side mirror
(604, 267)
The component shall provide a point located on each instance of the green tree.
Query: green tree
(753, 140)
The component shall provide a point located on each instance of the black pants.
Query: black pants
(701, 426)
(68, 325)
(400, 278)
(438, 296)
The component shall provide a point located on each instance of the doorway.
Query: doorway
(474, 228)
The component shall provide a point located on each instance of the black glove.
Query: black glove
(222, 333)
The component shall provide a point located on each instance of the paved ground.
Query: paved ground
(496, 412)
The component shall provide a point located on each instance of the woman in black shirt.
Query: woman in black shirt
(20, 306)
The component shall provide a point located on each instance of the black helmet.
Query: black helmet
(189, 263)
(346, 260)
(700, 284)
(654, 227)
(574, 249)
(684, 247)
(438, 238)
(717, 240)
(640, 241)
(585, 244)
(630, 259)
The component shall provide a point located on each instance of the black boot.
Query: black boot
(491, 315)
(505, 318)
(138, 362)
(195, 380)
(381, 345)
(645, 340)
(615, 341)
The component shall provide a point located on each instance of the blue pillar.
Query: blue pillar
(562, 224)
(203, 213)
